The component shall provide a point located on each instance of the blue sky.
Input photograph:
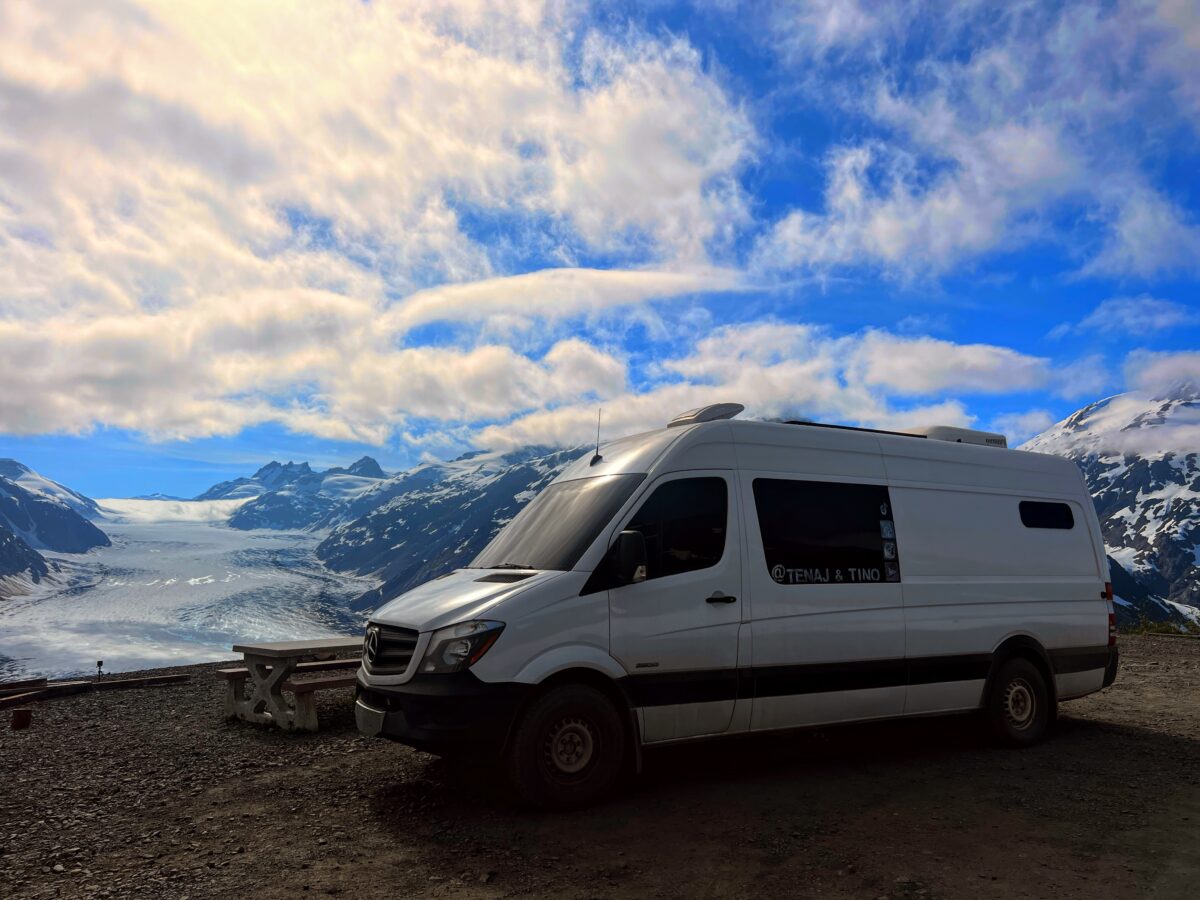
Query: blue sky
(474, 223)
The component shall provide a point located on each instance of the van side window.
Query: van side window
(1036, 514)
(819, 532)
(684, 524)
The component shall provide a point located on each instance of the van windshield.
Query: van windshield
(555, 529)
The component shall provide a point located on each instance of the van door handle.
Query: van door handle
(718, 597)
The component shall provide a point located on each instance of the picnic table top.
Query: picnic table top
(300, 649)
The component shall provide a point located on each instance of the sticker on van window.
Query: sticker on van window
(848, 575)
(889, 550)
(891, 571)
(887, 530)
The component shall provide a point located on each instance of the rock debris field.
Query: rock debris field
(149, 793)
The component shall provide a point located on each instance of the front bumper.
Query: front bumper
(1110, 671)
(440, 713)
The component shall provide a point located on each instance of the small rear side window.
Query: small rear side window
(1036, 514)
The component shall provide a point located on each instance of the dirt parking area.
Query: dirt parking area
(148, 793)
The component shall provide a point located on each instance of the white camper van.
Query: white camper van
(718, 577)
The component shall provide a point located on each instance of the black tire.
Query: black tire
(567, 750)
(1020, 708)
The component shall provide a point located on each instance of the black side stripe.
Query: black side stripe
(780, 681)
(1078, 659)
(703, 686)
(670, 688)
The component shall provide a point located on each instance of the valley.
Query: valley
(170, 592)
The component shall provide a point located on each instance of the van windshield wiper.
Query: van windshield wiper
(511, 566)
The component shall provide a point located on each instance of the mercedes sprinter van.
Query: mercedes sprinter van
(720, 577)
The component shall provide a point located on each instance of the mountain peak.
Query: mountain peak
(366, 467)
(1132, 423)
(10, 468)
(275, 474)
(275, 468)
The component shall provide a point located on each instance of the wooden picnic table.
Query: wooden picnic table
(269, 666)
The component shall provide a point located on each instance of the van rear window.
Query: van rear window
(819, 532)
(1039, 514)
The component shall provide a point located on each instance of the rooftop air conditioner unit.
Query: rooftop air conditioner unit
(962, 435)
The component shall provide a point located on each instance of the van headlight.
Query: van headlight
(459, 646)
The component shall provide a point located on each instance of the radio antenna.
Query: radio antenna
(597, 457)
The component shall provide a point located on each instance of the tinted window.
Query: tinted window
(817, 532)
(684, 524)
(1035, 514)
(554, 530)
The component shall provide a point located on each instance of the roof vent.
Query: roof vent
(710, 413)
(962, 436)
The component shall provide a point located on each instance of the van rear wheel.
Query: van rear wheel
(1019, 708)
(567, 750)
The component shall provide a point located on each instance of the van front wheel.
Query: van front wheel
(567, 750)
(1019, 706)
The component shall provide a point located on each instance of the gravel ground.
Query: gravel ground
(148, 793)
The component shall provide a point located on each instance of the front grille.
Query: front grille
(395, 650)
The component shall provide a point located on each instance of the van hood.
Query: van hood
(459, 596)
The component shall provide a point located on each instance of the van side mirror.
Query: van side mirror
(629, 558)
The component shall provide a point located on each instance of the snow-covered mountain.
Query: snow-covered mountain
(44, 514)
(39, 514)
(1140, 455)
(308, 500)
(271, 477)
(20, 565)
(24, 477)
(426, 521)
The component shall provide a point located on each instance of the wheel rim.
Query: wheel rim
(1020, 704)
(570, 747)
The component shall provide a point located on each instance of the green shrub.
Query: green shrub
(1148, 626)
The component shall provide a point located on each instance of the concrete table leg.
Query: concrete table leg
(267, 703)
(306, 712)
(235, 697)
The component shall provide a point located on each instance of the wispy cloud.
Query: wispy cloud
(798, 370)
(988, 125)
(152, 153)
(552, 294)
(1131, 315)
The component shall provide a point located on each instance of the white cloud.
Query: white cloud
(790, 370)
(879, 211)
(807, 27)
(213, 221)
(551, 294)
(928, 366)
(154, 153)
(1148, 234)
(978, 152)
(1158, 373)
(1021, 426)
(1082, 378)
(1177, 58)
(314, 361)
(1131, 315)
